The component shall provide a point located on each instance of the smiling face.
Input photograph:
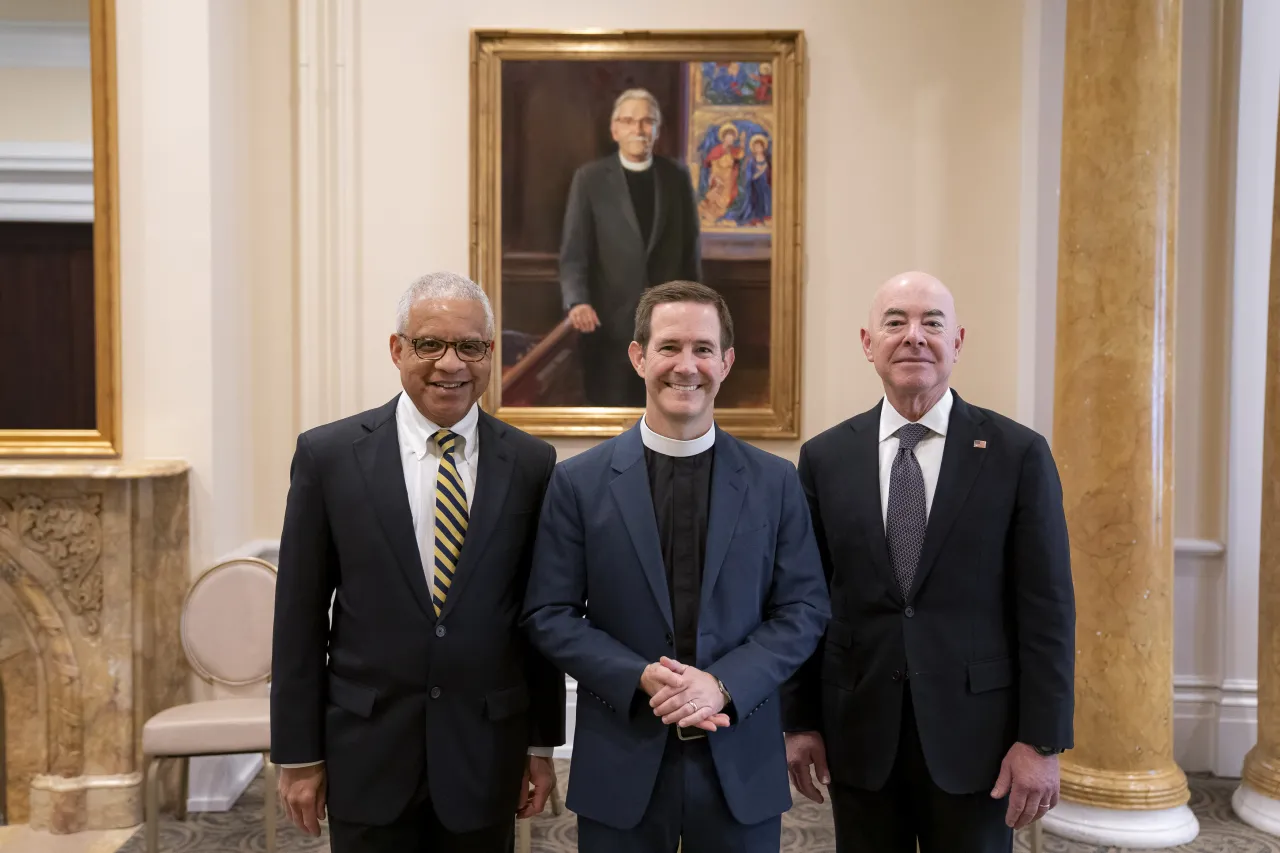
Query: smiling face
(913, 337)
(683, 367)
(635, 129)
(445, 389)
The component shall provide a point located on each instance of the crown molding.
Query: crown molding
(46, 181)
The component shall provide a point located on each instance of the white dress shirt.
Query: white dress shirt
(928, 451)
(420, 458)
(675, 446)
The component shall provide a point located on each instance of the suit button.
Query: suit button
(909, 612)
(897, 675)
(670, 639)
(435, 692)
(440, 631)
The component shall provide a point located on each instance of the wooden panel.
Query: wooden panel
(47, 369)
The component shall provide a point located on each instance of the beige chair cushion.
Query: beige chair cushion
(210, 728)
(226, 624)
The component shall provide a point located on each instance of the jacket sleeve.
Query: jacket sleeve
(305, 583)
(576, 240)
(797, 611)
(555, 606)
(546, 681)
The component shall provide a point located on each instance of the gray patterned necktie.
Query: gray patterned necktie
(906, 519)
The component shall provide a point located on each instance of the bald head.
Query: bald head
(908, 286)
(913, 338)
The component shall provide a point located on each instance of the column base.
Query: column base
(1256, 809)
(63, 806)
(1138, 829)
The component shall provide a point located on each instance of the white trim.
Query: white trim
(44, 44)
(1198, 547)
(329, 290)
(46, 181)
(218, 781)
(1256, 809)
(1123, 828)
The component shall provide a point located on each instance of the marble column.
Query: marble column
(1113, 423)
(1257, 800)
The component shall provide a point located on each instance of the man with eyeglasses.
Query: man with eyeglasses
(631, 222)
(418, 716)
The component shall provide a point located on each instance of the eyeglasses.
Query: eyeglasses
(433, 349)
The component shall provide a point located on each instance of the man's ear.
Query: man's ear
(636, 353)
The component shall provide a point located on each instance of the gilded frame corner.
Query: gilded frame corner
(785, 49)
(105, 440)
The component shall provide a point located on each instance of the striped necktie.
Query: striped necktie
(451, 518)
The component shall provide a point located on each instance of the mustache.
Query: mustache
(636, 137)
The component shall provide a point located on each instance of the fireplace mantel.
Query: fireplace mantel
(93, 569)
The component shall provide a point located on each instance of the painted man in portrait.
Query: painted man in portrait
(630, 223)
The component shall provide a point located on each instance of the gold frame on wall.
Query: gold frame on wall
(785, 50)
(104, 441)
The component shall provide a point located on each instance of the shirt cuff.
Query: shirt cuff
(307, 764)
(542, 751)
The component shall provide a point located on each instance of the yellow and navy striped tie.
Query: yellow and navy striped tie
(451, 518)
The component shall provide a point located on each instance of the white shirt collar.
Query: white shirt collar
(674, 446)
(416, 430)
(936, 419)
(633, 166)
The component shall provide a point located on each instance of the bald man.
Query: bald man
(936, 706)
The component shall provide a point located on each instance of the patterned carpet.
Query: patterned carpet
(807, 827)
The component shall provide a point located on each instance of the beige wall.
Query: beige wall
(46, 105)
(63, 11)
(912, 159)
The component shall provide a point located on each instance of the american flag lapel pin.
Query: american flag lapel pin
(980, 444)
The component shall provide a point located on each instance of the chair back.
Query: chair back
(227, 620)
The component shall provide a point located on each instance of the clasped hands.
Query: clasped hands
(684, 695)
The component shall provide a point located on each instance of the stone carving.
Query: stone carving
(67, 533)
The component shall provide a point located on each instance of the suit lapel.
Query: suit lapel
(630, 490)
(621, 191)
(961, 462)
(865, 485)
(728, 489)
(657, 207)
(493, 479)
(378, 454)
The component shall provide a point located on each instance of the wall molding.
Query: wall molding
(44, 44)
(328, 205)
(46, 181)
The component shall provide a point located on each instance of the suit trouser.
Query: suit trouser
(418, 830)
(687, 806)
(910, 807)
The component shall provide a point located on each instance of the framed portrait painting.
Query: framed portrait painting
(604, 163)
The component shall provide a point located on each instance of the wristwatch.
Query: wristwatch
(728, 700)
(1048, 750)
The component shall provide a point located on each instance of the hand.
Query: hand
(541, 774)
(302, 792)
(1031, 781)
(656, 676)
(584, 318)
(805, 749)
(695, 700)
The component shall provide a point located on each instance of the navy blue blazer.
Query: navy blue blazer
(598, 607)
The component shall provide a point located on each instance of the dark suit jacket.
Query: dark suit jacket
(604, 261)
(463, 694)
(599, 608)
(986, 636)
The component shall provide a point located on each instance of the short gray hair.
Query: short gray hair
(637, 95)
(442, 285)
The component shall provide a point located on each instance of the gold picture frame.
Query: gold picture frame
(769, 117)
(105, 439)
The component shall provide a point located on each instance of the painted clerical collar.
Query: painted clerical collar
(674, 446)
(635, 167)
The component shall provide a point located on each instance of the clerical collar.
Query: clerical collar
(635, 167)
(674, 446)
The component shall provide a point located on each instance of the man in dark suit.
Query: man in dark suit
(942, 692)
(630, 223)
(414, 716)
(677, 579)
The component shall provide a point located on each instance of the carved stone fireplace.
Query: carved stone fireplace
(93, 569)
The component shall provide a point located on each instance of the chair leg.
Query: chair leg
(524, 835)
(184, 786)
(269, 800)
(152, 805)
(1037, 837)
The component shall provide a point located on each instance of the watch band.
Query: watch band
(724, 691)
(1047, 750)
